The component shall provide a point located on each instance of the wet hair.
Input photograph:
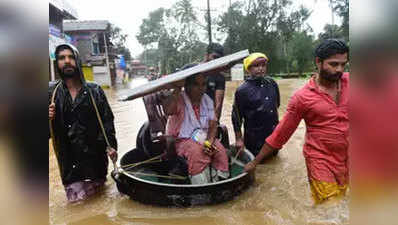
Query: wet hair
(189, 81)
(61, 48)
(215, 48)
(330, 47)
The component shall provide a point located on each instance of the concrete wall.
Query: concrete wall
(88, 73)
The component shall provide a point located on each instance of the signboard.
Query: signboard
(55, 38)
(53, 30)
(53, 42)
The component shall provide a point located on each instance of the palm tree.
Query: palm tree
(341, 7)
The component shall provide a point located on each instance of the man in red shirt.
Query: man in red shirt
(323, 104)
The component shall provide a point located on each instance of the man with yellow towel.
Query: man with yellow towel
(256, 105)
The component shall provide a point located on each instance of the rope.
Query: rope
(151, 160)
(99, 118)
(161, 176)
(101, 125)
(50, 122)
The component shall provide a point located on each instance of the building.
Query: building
(137, 68)
(91, 37)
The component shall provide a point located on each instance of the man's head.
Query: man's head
(256, 64)
(195, 85)
(331, 56)
(66, 62)
(214, 51)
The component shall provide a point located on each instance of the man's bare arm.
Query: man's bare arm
(265, 151)
(219, 99)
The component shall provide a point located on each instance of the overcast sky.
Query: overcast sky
(128, 14)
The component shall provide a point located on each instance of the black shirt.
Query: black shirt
(256, 104)
(80, 143)
(215, 82)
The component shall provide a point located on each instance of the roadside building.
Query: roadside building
(92, 39)
(59, 10)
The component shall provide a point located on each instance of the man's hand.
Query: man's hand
(208, 151)
(265, 151)
(239, 144)
(51, 111)
(251, 166)
(112, 153)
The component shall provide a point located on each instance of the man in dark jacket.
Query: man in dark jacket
(79, 143)
(215, 82)
(256, 105)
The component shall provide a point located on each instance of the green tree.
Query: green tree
(341, 7)
(150, 56)
(118, 40)
(331, 31)
(263, 26)
(301, 52)
(287, 27)
(153, 32)
(174, 34)
(152, 28)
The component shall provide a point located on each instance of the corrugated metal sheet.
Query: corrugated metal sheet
(164, 82)
(79, 25)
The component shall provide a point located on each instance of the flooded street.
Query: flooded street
(280, 194)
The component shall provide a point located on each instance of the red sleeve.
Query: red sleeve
(287, 125)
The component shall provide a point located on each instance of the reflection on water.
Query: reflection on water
(280, 195)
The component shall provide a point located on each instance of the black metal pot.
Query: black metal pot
(182, 195)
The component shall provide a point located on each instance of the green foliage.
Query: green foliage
(174, 32)
(341, 7)
(265, 26)
(152, 28)
(119, 41)
(331, 31)
(150, 56)
(272, 27)
(301, 56)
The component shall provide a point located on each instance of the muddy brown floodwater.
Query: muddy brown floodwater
(280, 194)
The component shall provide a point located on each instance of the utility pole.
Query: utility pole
(209, 20)
(332, 8)
(145, 61)
(230, 17)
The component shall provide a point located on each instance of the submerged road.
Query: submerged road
(280, 195)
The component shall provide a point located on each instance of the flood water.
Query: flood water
(280, 194)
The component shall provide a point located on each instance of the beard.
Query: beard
(68, 72)
(258, 77)
(333, 77)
